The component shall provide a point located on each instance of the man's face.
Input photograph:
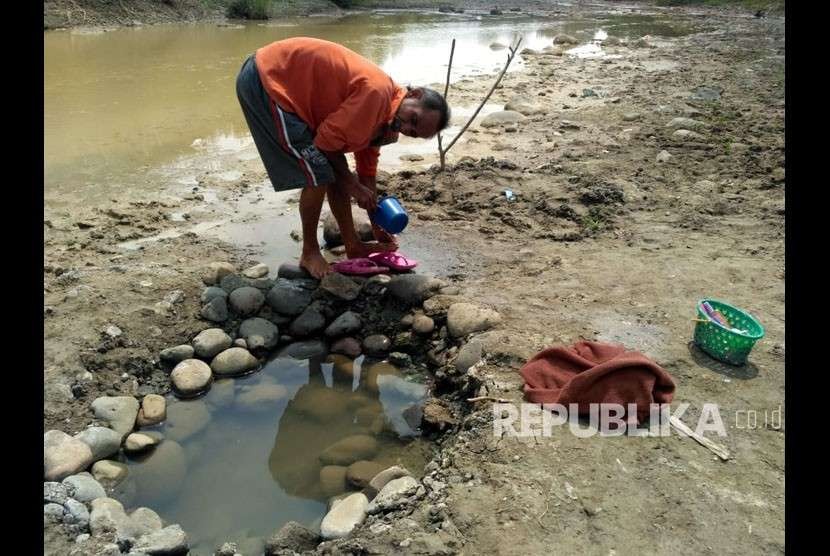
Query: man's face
(413, 120)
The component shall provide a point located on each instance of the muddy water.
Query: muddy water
(247, 457)
(122, 102)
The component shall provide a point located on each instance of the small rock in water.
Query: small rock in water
(210, 342)
(292, 271)
(191, 377)
(170, 540)
(184, 419)
(349, 450)
(262, 396)
(360, 473)
(64, 455)
(176, 354)
(333, 479)
(138, 442)
(233, 361)
(564, 39)
(109, 473)
(246, 300)
(347, 346)
(304, 350)
(345, 516)
(153, 410)
(215, 272)
(256, 271)
(377, 344)
(664, 156)
(389, 474)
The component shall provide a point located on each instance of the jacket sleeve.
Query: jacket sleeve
(367, 161)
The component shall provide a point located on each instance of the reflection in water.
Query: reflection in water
(261, 450)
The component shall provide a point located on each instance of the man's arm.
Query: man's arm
(366, 197)
(370, 182)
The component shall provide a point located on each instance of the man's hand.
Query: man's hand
(365, 197)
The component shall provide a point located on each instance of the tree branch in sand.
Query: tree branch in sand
(442, 152)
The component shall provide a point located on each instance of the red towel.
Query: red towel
(593, 372)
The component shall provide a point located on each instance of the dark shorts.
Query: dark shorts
(284, 141)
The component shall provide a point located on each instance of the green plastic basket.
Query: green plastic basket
(721, 343)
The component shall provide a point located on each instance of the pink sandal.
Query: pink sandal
(395, 261)
(358, 267)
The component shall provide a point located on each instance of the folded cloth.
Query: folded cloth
(594, 372)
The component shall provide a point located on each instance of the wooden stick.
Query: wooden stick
(714, 447)
(488, 399)
(441, 152)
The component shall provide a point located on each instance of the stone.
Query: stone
(259, 333)
(288, 297)
(256, 271)
(233, 361)
(214, 272)
(333, 480)
(215, 310)
(564, 39)
(260, 397)
(308, 323)
(437, 416)
(362, 225)
(233, 282)
(210, 342)
(161, 475)
(84, 486)
(503, 117)
(140, 522)
(292, 271)
(407, 320)
(347, 323)
(686, 123)
(240, 343)
(191, 377)
(439, 304)
(685, 134)
(211, 293)
(304, 350)
(468, 356)
(466, 318)
(340, 286)
(246, 300)
(107, 515)
(56, 493)
(391, 473)
(523, 107)
(109, 473)
(119, 412)
(631, 117)
(222, 393)
(423, 324)
(185, 419)
(176, 354)
(76, 514)
(393, 495)
(102, 441)
(347, 346)
(293, 538)
(153, 410)
(360, 473)
(349, 450)
(664, 156)
(138, 442)
(170, 540)
(345, 516)
(413, 289)
(53, 511)
(400, 359)
(706, 93)
(377, 344)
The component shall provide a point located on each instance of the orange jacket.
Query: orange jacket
(343, 97)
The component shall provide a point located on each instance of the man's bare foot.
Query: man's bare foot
(315, 264)
(362, 250)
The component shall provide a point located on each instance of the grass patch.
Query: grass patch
(597, 219)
